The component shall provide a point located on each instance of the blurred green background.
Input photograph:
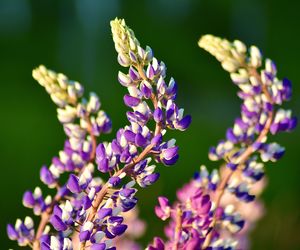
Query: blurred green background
(74, 37)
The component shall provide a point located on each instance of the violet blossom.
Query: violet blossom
(88, 212)
(212, 211)
(96, 208)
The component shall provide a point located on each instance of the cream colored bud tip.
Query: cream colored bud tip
(117, 23)
(204, 40)
(40, 68)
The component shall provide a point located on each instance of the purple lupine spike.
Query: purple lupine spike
(86, 203)
(192, 207)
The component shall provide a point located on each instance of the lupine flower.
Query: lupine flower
(246, 142)
(132, 152)
(190, 218)
(82, 121)
(85, 205)
(211, 210)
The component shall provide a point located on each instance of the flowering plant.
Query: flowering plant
(95, 182)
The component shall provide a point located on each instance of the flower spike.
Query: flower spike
(215, 211)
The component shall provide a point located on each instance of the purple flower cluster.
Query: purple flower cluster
(190, 219)
(261, 91)
(215, 211)
(88, 212)
(129, 158)
(82, 121)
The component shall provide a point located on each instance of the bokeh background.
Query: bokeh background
(74, 37)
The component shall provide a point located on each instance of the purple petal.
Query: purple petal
(163, 202)
(232, 166)
(156, 140)
(158, 244)
(150, 179)
(98, 246)
(172, 89)
(274, 128)
(134, 75)
(57, 211)
(57, 223)
(127, 192)
(231, 136)
(171, 161)
(169, 153)
(114, 181)
(158, 115)
(287, 89)
(117, 149)
(132, 56)
(119, 229)
(103, 165)
(45, 246)
(73, 184)
(129, 135)
(140, 140)
(86, 202)
(146, 90)
(103, 212)
(125, 157)
(84, 235)
(293, 123)
(160, 213)
(46, 176)
(28, 199)
(11, 232)
(150, 72)
(115, 219)
(100, 151)
(184, 123)
(131, 101)
(277, 155)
